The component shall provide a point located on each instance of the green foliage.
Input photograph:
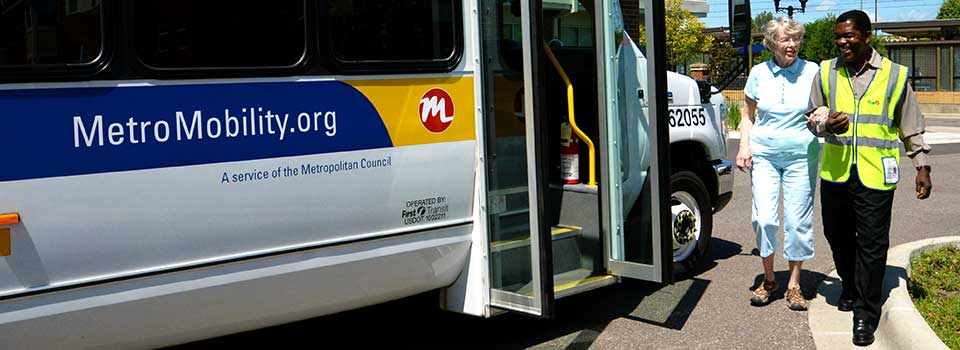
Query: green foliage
(761, 57)
(760, 21)
(733, 114)
(877, 42)
(950, 9)
(685, 39)
(935, 287)
(722, 60)
(936, 270)
(818, 42)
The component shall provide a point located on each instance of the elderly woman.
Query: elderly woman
(779, 152)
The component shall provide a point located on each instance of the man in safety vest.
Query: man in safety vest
(865, 104)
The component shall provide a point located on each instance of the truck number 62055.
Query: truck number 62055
(687, 116)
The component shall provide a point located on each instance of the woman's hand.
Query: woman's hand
(818, 118)
(744, 158)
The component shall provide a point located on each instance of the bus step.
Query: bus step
(510, 259)
(573, 282)
(580, 280)
(557, 232)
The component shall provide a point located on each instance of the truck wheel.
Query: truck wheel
(692, 220)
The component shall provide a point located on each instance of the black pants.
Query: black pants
(856, 222)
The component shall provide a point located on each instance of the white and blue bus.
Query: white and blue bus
(177, 170)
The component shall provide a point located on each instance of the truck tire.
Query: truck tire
(692, 221)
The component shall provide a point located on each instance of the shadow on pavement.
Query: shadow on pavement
(831, 287)
(417, 322)
(809, 282)
(720, 249)
(894, 274)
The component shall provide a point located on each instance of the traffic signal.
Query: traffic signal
(740, 23)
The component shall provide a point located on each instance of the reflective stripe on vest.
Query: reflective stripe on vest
(872, 135)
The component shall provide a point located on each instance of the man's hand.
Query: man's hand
(838, 123)
(924, 185)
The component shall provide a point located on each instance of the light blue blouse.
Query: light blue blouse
(782, 95)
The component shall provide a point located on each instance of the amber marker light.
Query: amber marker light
(9, 219)
(6, 220)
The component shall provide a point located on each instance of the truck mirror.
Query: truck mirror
(740, 23)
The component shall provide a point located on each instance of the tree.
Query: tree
(722, 60)
(950, 9)
(760, 21)
(685, 39)
(759, 26)
(818, 43)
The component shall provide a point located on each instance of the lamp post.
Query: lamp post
(790, 9)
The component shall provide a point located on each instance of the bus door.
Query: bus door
(563, 152)
(636, 197)
(519, 275)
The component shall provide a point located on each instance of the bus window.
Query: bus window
(50, 32)
(182, 34)
(413, 35)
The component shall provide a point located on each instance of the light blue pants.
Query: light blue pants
(797, 174)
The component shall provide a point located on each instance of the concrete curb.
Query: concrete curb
(906, 327)
(901, 325)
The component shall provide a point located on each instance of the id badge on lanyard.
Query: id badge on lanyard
(891, 170)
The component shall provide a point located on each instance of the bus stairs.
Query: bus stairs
(577, 248)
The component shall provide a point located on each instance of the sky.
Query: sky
(888, 10)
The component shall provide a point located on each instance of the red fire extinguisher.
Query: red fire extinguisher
(569, 155)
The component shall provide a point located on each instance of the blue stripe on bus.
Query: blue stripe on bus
(55, 132)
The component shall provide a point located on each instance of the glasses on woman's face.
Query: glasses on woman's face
(788, 39)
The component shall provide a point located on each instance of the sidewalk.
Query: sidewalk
(901, 325)
(941, 115)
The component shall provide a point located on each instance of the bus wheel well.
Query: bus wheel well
(692, 156)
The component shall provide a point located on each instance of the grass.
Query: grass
(935, 289)
(733, 115)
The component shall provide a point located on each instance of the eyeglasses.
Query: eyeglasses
(788, 39)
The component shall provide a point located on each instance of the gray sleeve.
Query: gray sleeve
(816, 101)
(912, 125)
(816, 94)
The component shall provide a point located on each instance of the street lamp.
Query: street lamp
(790, 9)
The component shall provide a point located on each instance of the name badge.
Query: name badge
(891, 170)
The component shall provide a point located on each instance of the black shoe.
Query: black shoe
(845, 305)
(862, 333)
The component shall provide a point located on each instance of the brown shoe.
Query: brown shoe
(761, 295)
(795, 299)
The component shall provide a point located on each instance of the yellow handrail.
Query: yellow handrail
(573, 123)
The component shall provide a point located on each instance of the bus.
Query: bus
(178, 170)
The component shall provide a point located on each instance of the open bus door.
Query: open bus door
(637, 164)
(544, 64)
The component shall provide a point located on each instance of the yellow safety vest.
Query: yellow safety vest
(872, 140)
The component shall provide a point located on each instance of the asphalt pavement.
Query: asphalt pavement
(708, 311)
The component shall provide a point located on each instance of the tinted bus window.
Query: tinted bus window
(219, 34)
(50, 32)
(412, 32)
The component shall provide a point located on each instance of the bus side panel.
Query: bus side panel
(121, 181)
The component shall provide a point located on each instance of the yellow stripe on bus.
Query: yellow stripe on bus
(398, 103)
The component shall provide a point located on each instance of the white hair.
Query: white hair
(789, 26)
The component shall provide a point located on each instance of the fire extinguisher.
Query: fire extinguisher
(569, 155)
